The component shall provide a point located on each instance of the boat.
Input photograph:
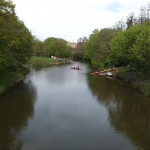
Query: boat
(106, 72)
(109, 74)
(76, 68)
(98, 73)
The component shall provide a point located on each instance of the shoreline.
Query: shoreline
(11, 79)
(133, 78)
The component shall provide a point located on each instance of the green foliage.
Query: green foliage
(56, 47)
(98, 46)
(128, 74)
(77, 55)
(37, 47)
(10, 78)
(6, 63)
(15, 38)
(132, 47)
(140, 53)
(41, 60)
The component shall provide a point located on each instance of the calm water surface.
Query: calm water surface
(57, 108)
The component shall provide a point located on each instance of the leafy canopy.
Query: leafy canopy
(15, 38)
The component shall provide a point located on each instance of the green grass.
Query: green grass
(42, 60)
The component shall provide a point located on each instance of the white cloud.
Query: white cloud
(71, 19)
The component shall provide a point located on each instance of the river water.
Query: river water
(58, 108)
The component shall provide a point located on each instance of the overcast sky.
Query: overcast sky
(72, 19)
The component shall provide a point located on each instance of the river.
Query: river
(58, 108)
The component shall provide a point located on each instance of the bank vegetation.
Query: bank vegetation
(125, 46)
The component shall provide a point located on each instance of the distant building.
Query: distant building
(72, 44)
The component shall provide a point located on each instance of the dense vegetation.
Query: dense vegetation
(132, 47)
(121, 46)
(51, 47)
(15, 39)
(15, 46)
(126, 45)
(98, 47)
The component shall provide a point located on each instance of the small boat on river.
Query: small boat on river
(99, 73)
(108, 74)
(76, 68)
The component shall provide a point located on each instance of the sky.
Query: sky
(72, 19)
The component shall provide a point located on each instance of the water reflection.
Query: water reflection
(129, 111)
(67, 116)
(16, 108)
(73, 111)
(58, 74)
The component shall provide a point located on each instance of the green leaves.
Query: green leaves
(98, 46)
(15, 38)
(132, 47)
(56, 47)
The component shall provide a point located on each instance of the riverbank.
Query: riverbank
(10, 79)
(137, 79)
(42, 60)
(47, 60)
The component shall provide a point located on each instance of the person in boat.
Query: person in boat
(77, 67)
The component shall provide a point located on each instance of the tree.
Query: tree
(132, 48)
(80, 48)
(130, 20)
(37, 47)
(140, 53)
(15, 38)
(56, 47)
(98, 47)
(120, 25)
(81, 44)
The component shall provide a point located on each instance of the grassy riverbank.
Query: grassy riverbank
(10, 79)
(137, 79)
(42, 60)
(46, 60)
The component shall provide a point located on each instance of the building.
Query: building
(72, 44)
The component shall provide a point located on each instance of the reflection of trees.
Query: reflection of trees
(16, 107)
(59, 74)
(129, 111)
(55, 74)
(39, 66)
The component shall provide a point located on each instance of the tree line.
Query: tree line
(51, 47)
(15, 38)
(125, 44)
(17, 44)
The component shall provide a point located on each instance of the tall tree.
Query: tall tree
(15, 38)
(56, 47)
(98, 47)
(37, 47)
(130, 20)
(132, 47)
